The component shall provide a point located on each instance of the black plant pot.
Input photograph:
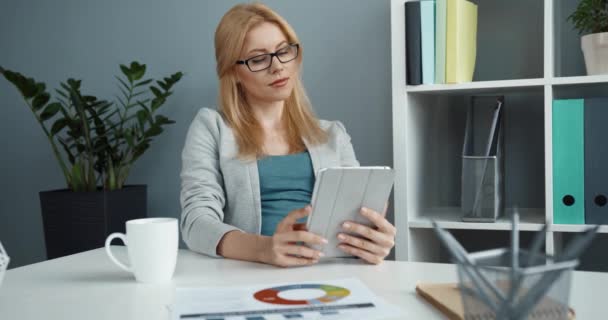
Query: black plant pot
(80, 221)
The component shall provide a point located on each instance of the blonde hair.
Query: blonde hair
(298, 117)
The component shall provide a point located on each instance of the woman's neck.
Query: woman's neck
(269, 115)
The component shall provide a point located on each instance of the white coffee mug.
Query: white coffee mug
(152, 246)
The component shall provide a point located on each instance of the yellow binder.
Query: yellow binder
(461, 41)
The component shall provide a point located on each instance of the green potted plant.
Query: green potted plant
(591, 19)
(95, 142)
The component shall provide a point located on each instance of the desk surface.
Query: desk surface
(89, 286)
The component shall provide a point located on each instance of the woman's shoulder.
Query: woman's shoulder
(334, 128)
(208, 115)
(209, 118)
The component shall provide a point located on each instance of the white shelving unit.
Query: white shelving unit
(526, 51)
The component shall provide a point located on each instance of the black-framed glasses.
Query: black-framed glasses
(264, 61)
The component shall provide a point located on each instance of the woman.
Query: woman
(249, 169)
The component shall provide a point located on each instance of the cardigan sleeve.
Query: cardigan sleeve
(345, 148)
(202, 194)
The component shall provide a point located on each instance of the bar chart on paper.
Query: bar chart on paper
(335, 299)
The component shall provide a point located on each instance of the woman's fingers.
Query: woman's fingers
(365, 255)
(289, 250)
(300, 227)
(380, 221)
(374, 244)
(292, 218)
(364, 244)
(376, 236)
(302, 251)
(288, 261)
(301, 236)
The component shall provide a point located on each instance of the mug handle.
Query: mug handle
(109, 250)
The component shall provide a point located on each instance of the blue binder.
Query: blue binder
(596, 160)
(568, 161)
(427, 29)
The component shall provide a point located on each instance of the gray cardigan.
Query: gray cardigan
(220, 193)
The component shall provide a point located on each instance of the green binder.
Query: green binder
(568, 161)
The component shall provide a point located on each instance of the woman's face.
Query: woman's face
(276, 82)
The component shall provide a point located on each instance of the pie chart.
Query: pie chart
(271, 295)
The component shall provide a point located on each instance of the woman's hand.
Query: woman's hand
(371, 244)
(282, 249)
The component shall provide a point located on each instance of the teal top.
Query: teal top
(286, 184)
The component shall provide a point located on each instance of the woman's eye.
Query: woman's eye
(260, 60)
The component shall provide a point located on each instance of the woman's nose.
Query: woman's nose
(275, 65)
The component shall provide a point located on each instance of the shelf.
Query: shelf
(527, 51)
(576, 228)
(500, 86)
(580, 87)
(596, 79)
(531, 219)
(480, 86)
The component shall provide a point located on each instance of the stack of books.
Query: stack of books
(441, 41)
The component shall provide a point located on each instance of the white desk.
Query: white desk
(89, 286)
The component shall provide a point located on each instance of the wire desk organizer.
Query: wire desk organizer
(514, 284)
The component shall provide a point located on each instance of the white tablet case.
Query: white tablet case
(338, 195)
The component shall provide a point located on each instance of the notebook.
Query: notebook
(446, 298)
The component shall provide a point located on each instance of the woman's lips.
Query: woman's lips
(279, 83)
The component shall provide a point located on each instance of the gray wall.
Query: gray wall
(346, 73)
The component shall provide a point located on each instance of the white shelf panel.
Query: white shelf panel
(479, 86)
(531, 219)
(559, 81)
(576, 228)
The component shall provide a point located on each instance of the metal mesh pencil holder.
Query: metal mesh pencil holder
(491, 289)
(4, 260)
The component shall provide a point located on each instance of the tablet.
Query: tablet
(338, 195)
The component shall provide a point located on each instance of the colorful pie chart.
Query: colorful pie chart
(332, 293)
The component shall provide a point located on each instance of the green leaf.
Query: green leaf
(136, 94)
(157, 103)
(161, 120)
(61, 93)
(127, 72)
(142, 116)
(74, 84)
(40, 101)
(129, 138)
(153, 131)
(80, 147)
(50, 111)
(140, 149)
(138, 70)
(156, 92)
(163, 85)
(176, 77)
(40, 87)
(26, 86)
(88, 98)
(143, 83)
(58, 126)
